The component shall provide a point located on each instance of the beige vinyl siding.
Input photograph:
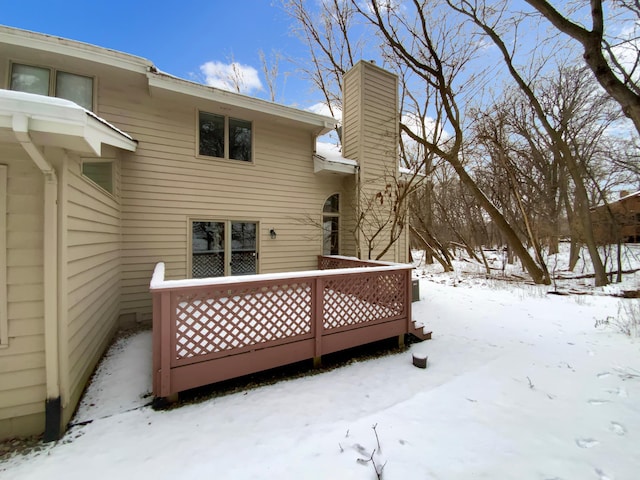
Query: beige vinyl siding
(348, 200)
(93, 271)
(165, 184)
(4, 324)
(352, 105)
(371, 136)
(22, 374)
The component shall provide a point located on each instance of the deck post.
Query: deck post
(317, 316)
(157, 350)
(408, 298)
(165, 343)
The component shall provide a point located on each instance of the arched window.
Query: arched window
(331, 226)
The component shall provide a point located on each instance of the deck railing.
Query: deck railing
(212, 329)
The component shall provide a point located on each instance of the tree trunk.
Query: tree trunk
(529, 264)
(446, 264)
(591, 41)
(574, 254)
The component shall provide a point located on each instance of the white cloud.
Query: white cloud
(384, 6)
(232, 76)
(626, 52)
(321, 108)
(429, 129)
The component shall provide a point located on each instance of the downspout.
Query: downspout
(53, 406)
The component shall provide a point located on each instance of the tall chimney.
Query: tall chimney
(370, 136)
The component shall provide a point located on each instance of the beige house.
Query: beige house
(108, 165)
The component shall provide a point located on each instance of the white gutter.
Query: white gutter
(50, 248)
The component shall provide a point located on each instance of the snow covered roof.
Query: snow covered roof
(58, 122)
(328, 159)
(623, 197)
(630, 195)
(409, 173)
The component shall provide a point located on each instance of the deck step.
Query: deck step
(418, 330)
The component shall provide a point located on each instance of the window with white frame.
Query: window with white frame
(51, 82)
(4, 322)
(224, 137)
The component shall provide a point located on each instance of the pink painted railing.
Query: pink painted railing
(212, 329)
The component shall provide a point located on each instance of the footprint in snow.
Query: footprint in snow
(619, 391)
(602, 475)
(597, 401)
(603, 374)
(627, 373)
(586, 442)
(360, 449)
(618, 429)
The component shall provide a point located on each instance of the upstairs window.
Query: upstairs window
(239, 140)
(224, 137)
(77, 88)
(45, 81)
(25, 78)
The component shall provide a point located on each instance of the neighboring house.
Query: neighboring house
(619, 220)
(131, 166)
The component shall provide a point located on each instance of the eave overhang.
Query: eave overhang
(56, 122)
(73, 48)
(323, 165)
(320, 124)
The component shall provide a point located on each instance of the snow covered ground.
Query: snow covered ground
(520, 384)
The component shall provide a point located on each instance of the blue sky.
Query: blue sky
(178, 36)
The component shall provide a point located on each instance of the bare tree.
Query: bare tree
(332, 50)
(432, 53)
(617, 79)
(270, 69)
(486, 19)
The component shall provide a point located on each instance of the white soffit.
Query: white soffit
(57, 122)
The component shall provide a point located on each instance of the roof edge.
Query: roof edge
(171, 83)
(73, 48)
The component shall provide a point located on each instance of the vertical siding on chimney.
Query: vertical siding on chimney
(370, 135)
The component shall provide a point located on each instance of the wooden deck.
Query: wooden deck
(214, 329)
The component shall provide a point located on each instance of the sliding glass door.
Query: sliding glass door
(221, 248)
